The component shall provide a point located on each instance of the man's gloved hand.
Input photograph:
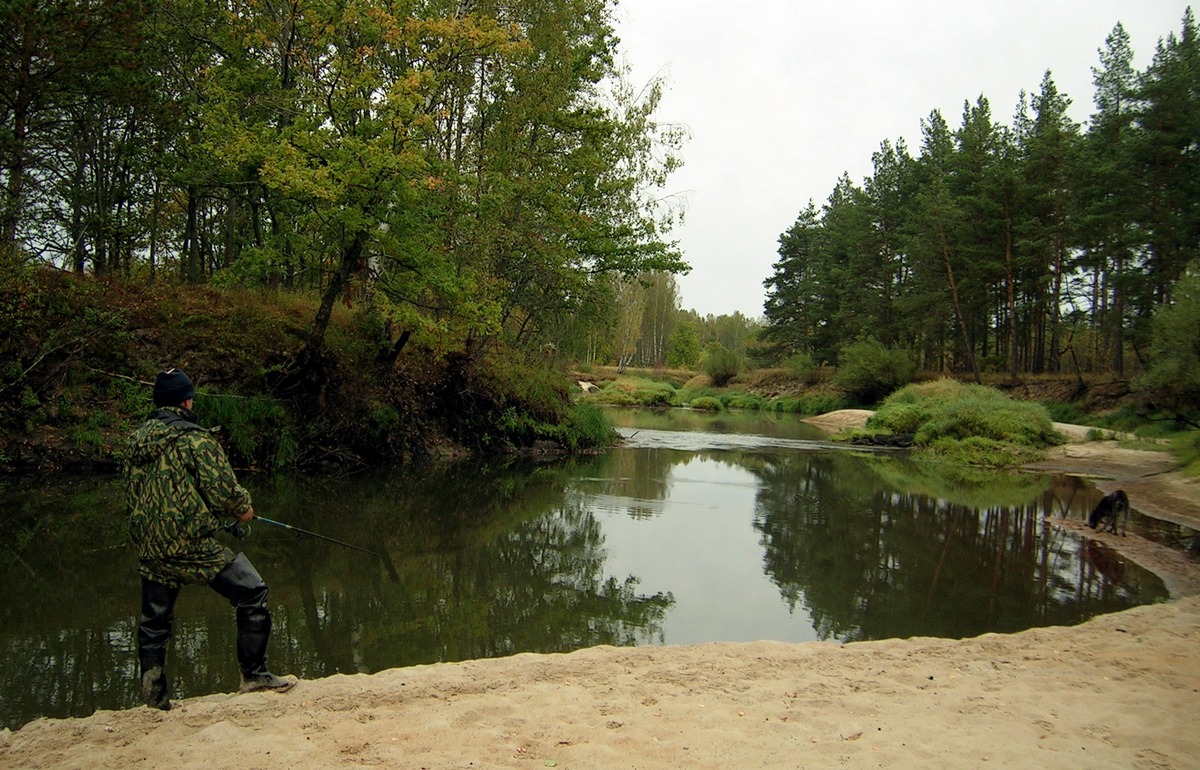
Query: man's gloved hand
(236, 528)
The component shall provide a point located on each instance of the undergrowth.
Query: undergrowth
(80, 354)
(967, 423)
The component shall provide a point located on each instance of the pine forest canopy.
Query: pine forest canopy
(475, 168)
(1021, 248)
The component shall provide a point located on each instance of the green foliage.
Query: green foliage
(720, 364)
(868, 371)
(1187, 449)
(636, 391)
(587, 428)
(654, 394)
(707, 403)
(73, 365)
(1171, 386)
(90, 433)
(749, 401)
(1070, 413)
(809, 404)
(966, 422)
(987, 413)
(900, 418)
(685, 395)
(683, 347)
(345, 148)
(802, 367)
(528, 387)
(1126, 418)
(964, 252)
(251, 427)
(384, 419)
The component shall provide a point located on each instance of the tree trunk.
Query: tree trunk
(962, 321)
(1012, 302)
(21, 106)
(351, 257)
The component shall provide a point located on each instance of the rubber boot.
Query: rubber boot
(155, 691)
(254, 629)
(154, 634)
(241, 584)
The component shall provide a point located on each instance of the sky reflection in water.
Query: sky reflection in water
(700, 528)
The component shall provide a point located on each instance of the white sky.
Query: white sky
(781, 97)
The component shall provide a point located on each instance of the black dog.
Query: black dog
(1113, 506)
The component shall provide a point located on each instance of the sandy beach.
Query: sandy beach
(1120, 691)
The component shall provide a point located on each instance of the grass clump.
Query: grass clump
(966, 423)
(751, 401)
(586, 427)
(810, 404)
(654, 394)
(634, 391)
(1187, 449)
(707, 403)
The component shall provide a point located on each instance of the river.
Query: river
(699, 528)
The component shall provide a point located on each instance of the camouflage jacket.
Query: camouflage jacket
(178, 484)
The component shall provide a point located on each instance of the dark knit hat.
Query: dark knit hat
(172, 388)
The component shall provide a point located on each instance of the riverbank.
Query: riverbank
(1119, 691)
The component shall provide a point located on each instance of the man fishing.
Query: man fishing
(178, 484)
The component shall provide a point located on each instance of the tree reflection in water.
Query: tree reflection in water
(869, 561)
(490, 560)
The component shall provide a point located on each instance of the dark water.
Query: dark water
(701, 528)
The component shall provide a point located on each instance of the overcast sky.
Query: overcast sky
(780, 97)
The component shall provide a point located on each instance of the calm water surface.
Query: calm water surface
(700, 528)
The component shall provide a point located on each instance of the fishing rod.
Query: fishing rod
(240, 530)
(318, 535)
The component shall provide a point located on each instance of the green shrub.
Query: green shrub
(745, 401)
(1020, 423)
(721, 364)
(1187, 449)
(991, 428)
(250, 426)
(654, 394)
(811, 404)
(802, 367)
(685, 396)
(535, 390)
(1071, 413)
(707, 403)
(586, 427)
(784, 404)
(1172, 382)
(899, 418)
(612, 397)
(868, 371)
(287, 451)
(1125, 418)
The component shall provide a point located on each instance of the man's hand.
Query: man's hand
(245, 517)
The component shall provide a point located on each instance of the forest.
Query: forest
(472, 171)
(474, 178)
(1027, 247)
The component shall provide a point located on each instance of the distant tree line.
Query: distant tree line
(647, 327)
(1039, 246)
(477, 169)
